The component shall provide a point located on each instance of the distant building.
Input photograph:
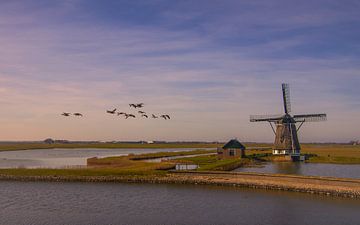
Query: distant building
(52, 141)
(232, 149)
(49, 141)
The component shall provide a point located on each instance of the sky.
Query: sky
(208, 64)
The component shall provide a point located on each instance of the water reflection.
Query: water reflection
(107, 203)
(63, 158)
(310, 169)
(288, 168)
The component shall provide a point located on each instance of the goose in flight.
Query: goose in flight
(154, 117)
(121, 113)
(78, 114)
(139, 105)
(129, 115)
(65, 114)
(166, 117)
(144, 115)
(141, 112)
(111, 111)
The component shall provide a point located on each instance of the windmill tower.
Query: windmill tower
(286, 139)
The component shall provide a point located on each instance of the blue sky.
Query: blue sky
(210, 64)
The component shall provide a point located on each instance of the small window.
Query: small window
(231, 152)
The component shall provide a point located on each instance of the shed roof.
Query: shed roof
(234, 143)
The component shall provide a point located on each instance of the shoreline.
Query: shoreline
(339, 187)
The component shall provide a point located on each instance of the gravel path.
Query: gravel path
(315, 185)
(320, 185)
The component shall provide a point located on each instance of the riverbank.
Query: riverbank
(314, 185)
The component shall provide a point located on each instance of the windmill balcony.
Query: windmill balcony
(286, 152)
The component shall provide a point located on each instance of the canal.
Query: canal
(24, 203)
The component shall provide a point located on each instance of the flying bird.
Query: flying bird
(141, 112)
(111, 111)
(65, 114)
(121, 113)
(154, 117)
(129, 115)
(144, 115)
(166, 117)
(78, 114)
(139, 105)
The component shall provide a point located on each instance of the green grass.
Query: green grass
(81, 172)
(334, 159)
(333, 153)
(211, 162)
(332, 150)
(125, 163)
(168, 154)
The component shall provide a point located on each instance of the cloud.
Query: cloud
(209, 67)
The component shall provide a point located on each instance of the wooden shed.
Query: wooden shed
(232, 149)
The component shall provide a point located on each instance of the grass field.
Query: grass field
(333, 153)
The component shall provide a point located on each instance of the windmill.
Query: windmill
(286, 138)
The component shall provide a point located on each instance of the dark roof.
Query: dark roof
(234, 144)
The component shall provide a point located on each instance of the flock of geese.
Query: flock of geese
(126, 115)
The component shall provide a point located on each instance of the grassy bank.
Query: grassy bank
(169, 154)
(110, 171)
(212, 163)
(126, 163)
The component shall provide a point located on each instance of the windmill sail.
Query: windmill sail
(270, 118)
(286, 98)
(310, 117)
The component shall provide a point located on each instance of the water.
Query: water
(60, 158)
(310, 169)
(43, 203)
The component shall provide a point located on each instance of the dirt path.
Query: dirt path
(314, 185)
